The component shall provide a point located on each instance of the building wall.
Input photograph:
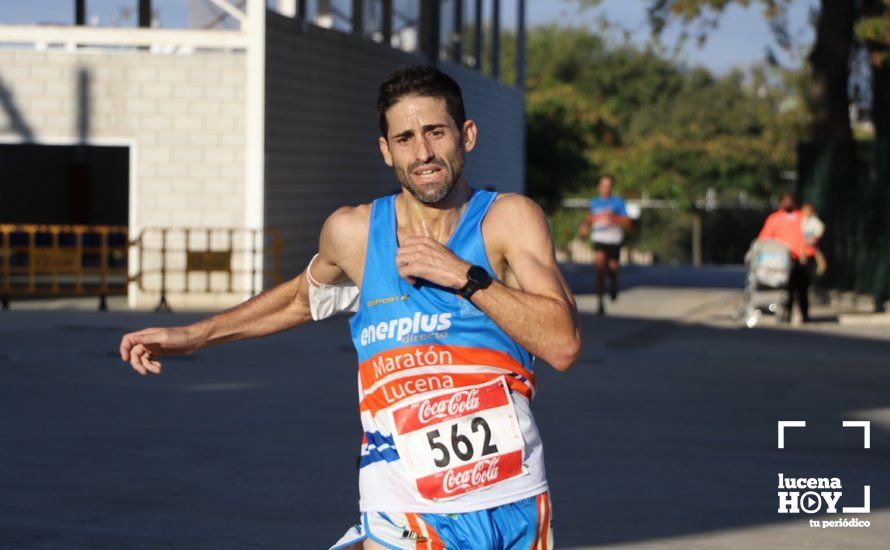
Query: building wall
(321, 129)
(182, 116)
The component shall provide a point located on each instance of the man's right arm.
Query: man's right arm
(280, 308)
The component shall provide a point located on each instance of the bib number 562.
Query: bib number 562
(461, 445)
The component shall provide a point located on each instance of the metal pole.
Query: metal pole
(386, 27)
(145, 13)
(4, 297)
(253, 251)
(54, 273)
(301, 9)
(103, 275)
(231, 250)
(32, 245)
(163, 305)
(207, 249)
(358, 17)
(696, 239)
(78, 276)
(477, 37)
(188, 242)
(496, 39)
(520, 44)
(429, 30)
(458, 32)
(140, 259)
(80, 12)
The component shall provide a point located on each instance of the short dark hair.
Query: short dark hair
(424, 81)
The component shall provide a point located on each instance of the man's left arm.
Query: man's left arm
(621, 216)
(541, 314)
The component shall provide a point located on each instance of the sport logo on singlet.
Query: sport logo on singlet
(483, 473)
(466, 309)
(420, 327)
(459, 404)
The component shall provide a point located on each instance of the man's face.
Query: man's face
(787, 203)
(605, 187)
(425, 147)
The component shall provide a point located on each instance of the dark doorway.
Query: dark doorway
(64, 184)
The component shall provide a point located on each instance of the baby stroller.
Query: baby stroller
(766, 283)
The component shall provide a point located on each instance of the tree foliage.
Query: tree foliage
(662, 129)
(843, 27)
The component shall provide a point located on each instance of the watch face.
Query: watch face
(479, 276)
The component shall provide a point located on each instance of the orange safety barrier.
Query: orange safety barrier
(83, 260)
(62, 260)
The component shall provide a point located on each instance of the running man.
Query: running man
(607, 216)
(456, 300)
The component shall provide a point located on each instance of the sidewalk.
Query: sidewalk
(708, 296)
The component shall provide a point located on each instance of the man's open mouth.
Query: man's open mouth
(427, 170)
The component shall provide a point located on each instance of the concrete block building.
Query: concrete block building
(262, 122)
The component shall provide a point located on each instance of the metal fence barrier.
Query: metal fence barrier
(48, 261)
(62, 260)
(185, 260)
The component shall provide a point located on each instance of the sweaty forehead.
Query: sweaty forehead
(413, 111)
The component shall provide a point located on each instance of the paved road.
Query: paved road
(663, 434)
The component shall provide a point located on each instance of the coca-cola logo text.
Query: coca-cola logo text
(482, 473)
(460, 404)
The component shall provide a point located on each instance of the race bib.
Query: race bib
(460, 441)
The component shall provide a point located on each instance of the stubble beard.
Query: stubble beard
(434, 194)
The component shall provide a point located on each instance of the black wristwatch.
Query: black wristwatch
(477, 279)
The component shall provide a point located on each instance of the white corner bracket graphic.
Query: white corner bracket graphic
(866, 503)
(866, 430)
(788, 424)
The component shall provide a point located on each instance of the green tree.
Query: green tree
(662, 129)
(841, 27)
(558, 134)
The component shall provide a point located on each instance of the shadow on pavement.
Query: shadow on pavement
(664, 430)
(581, 277)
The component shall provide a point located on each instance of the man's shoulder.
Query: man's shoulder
(512, 218)
(507, 206)
(350, 217)
(346, 227)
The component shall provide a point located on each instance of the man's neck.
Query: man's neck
(437, 221)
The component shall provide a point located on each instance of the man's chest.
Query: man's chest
(355, 262)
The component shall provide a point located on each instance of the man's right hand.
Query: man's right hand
(143, 347)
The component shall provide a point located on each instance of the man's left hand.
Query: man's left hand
(428, 259)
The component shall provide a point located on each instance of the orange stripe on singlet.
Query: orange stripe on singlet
(402, 359)
(385, 395)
